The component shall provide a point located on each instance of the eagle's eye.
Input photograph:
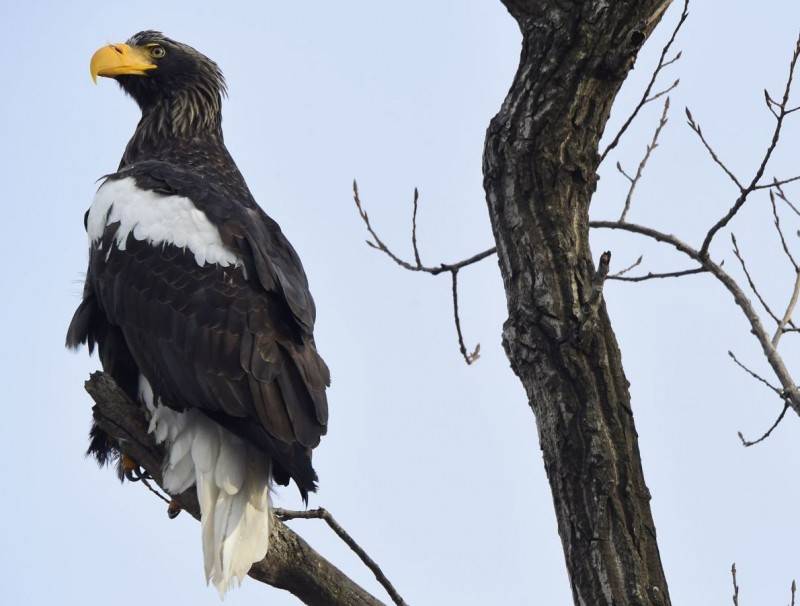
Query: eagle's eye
(157, 51)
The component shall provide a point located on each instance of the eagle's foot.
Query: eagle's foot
(131, 469)
(173, 509)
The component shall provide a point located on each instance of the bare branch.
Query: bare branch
(414, 228)
(469, 358)
(452, 268)
(750, 281)
(324, 514)
(699, 131)
(622, 272)
(748, 443)
(735, 586)
(753, 374)
(378, 244)
(643, 163)
(659, 276)
(646, 98)
(790, 391)
(754, 183)
(777, 182)
(782, 195)
(670, 88)
(777, 221)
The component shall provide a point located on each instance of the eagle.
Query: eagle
(199, 307)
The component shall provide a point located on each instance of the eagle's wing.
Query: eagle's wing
(213, 305)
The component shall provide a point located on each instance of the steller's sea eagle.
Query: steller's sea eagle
(199, 307)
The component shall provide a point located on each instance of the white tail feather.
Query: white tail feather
(232, 480)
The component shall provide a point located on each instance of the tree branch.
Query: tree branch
(643, 163)
(324, 514)
(291, 564)
(659, 276)
(790, 390)
(748, 443)
(754, 182)
(453, 268)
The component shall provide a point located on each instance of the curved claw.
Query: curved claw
(173, 509)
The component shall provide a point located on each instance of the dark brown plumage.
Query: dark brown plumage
(234, 341)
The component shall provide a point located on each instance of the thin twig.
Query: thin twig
(777, 221)
(794, 590)
(378, 244)
(323, 514)
(748, 443)
(658, 276)
(777, 182)
(643, 163)
(622, 272)
(755, 375)
(735, 586)
(469, 358)
(662, 63)
(782, 195)
(699, 131)
(671, 87)
(750, 281)
(414, 228)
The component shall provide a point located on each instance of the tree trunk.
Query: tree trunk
(540, 164)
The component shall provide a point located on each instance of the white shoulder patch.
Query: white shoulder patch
(158, 219)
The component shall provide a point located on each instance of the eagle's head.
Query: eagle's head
(162, 74)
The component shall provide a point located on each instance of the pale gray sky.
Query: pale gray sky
(433, 466)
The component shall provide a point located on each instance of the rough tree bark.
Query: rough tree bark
(540, 164)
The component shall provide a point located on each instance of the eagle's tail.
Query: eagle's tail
(232, 480)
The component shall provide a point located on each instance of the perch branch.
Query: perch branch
(291, 563)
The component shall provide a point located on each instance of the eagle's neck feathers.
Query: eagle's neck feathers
(189, 117)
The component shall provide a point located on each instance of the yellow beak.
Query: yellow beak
(120, 60)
